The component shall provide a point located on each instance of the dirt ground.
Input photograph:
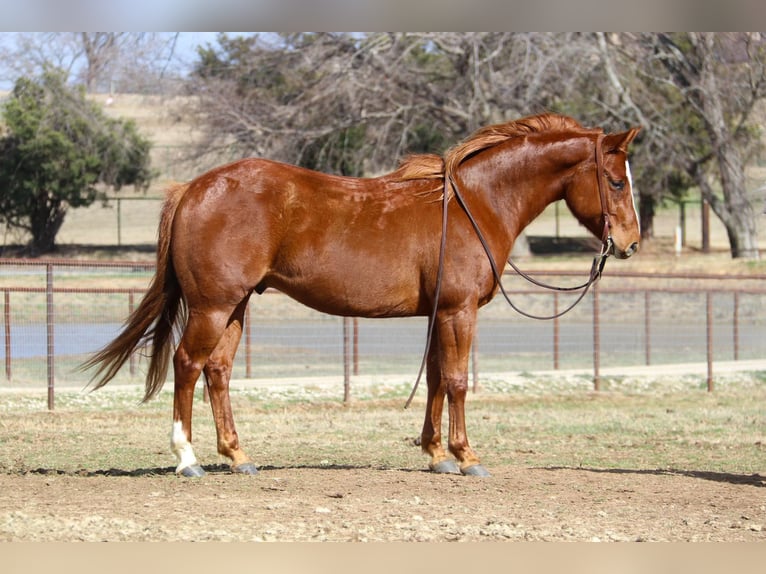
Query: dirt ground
(365, 504)
(670, 465)
(298, 502)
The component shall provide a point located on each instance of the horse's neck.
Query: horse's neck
(550, 165)
(510, 199)
(515, 198)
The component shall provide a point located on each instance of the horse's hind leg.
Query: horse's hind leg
(201, 336)
(218, 374)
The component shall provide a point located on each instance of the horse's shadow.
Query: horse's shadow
(757, 480)
(730, 478)
(213, 469)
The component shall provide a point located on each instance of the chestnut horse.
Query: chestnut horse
(366, 247)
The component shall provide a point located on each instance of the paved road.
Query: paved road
(405, 337)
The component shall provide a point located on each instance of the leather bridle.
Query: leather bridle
(607, 247)
(606, 235)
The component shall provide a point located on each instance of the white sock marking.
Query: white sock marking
(181, 447)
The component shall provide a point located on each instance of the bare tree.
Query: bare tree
(100, 61)
(725, 99)
(699, 91)
(357, 103)
(629, 97)
(100, 49)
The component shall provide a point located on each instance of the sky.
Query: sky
(188, 42)
(186, 49)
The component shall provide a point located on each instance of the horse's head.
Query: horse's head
(608, 211)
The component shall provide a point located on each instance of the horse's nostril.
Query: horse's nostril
(632, 249)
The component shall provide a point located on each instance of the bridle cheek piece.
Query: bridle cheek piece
(606, 235)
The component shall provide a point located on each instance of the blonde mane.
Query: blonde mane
(431, 166)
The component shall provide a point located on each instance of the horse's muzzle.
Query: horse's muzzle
(624, 254)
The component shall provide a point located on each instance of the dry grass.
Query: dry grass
(680, 428)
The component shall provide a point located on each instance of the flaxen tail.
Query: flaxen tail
(154, 318)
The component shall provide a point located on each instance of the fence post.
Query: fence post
(356, 346)
(49, 325)
(596, 341)
(475, 361)
(7, 321)
(682, 221)
(705, 226)
(648, 327)
(709, 332)
(248, 345)
(119, 221)
(346, 361)
(132, 361)
(556, 330)
(735, 325)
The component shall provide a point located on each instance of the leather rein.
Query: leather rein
(598, 262)
(595, 272)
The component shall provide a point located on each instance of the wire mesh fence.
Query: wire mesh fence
(56, 314)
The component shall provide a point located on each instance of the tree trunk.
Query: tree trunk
(646, 206)
(742, 239)
(735, 211)
(45, 223)
(739, 215)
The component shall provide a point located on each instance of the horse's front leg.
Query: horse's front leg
(456, 332)
(430, 438)
(218, 374)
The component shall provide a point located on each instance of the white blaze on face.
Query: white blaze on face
(181, 447)
(632, 195)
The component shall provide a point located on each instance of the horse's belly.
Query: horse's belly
(356, 269)
(353, 297)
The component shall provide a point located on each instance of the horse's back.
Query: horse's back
(341, 245)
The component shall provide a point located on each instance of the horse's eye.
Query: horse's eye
(618, 185)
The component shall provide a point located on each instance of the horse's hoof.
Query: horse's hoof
(475, 470)
(192, 471)
(445, 467)
(245, 468)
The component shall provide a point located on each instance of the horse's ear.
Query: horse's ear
(619, 142)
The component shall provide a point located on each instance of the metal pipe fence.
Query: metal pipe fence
(57, 313)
